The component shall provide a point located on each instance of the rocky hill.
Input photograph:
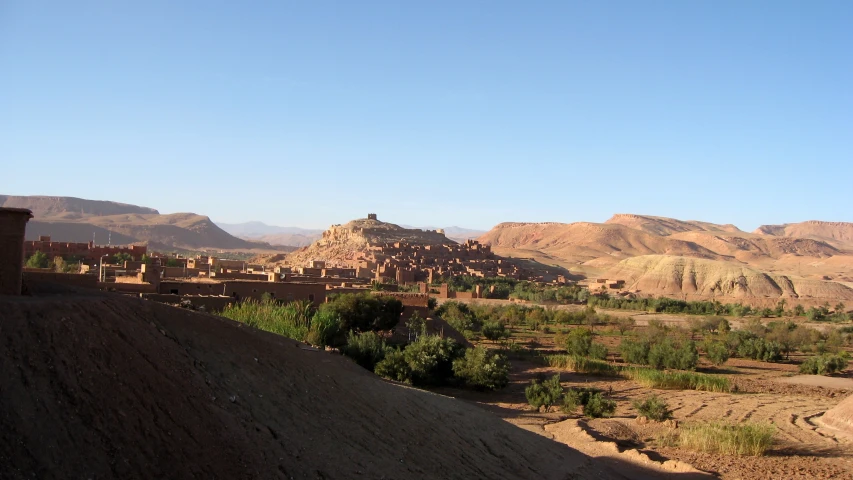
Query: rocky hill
(807, 255)
(70, 208)
(836, 233)
(346, 242)
(104, 386)
(667, 226)
(701, 278)
(76, 220)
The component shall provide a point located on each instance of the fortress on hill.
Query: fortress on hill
(373, 250)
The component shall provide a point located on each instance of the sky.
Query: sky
(440, 113)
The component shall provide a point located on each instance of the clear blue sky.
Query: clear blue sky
(433, 113)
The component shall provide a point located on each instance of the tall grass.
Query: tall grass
(730, 439)
(292, 320)
(676, 380)
(581, 364)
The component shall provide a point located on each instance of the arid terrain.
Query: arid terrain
(103, 386)
(804, 447)
(68, 219)
(810, 262)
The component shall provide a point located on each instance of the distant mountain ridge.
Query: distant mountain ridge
(809, 260)
(301, 237)
(73, 219)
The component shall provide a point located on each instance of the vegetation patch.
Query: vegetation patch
(729, 439)
(673, 380)
(825, 364)
(582, 365)
(653, 408)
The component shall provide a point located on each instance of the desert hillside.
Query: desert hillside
(70, 208)
(103, 386)
(837, 233)
(677, 276)
(76, 220)
(798, 260)
(666, 226)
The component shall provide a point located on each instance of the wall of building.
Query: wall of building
(13, 224)
(72, 279)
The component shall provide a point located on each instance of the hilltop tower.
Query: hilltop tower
(372, 216)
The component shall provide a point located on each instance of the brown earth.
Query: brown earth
(94, 385)
(68, 219)
(811, 260)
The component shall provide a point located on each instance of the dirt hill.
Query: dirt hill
(348, 241)
(837, 233)
(811, 253)
(675, 276)
(584, 241)
(101, 386)
(70, 208)
(76, 220)
(666, 226)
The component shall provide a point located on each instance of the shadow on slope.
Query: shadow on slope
(102, 386)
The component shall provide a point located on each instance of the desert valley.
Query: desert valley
(641, 347)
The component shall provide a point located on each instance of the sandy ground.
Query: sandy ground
(803, 449)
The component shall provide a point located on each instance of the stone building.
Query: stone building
(13, 224)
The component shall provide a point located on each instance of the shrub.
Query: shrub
(598, 407)
(365, 312)
(597, 351)
(325, 330)
(494, 331)
(758, 348)
(824, 364)
(292, 320)
(578, 342)
(482, 369)
(653, 408)
(431, 359)
(624, 324)
(38, 260)
(577, 397)
(545, 393)
(729, 439)
(367, 349)
(635, 351)
(394, 367)
(717, 352)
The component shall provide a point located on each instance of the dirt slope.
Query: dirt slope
(588, 241)
(99, 386)
(666, 226)
(68, 219)
(837, 233)
(69, 207)
(674, 276)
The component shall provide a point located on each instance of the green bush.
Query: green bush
(394, 367)
(366, 348)
(38, 260)
(431, 359)
(598, 407)
(717, 352)
(635, 351)
(597, 351)
(758, 348)
(577, 397)
(578, 342)
(325, 330)
(653, 408)
(824, 364)
(545, 393)
(494, 331)
(482, 369)
(364, 312)
(292, 320)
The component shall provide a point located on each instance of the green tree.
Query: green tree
(38, 260)
(482, 369)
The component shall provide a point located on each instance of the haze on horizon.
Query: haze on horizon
(433, 114)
